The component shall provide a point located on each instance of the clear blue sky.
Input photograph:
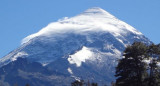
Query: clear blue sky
(20, 18)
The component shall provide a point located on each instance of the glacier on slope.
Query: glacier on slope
(86, 46)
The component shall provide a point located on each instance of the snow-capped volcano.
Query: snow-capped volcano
(94, 20)
(85, 46)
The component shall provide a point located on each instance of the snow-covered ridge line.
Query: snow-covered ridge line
(94, 19)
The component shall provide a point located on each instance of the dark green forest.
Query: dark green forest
(139, 66)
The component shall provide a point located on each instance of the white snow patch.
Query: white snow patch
(120, 40)
(80, 56)
(136, 37)
(117, 52)
(45, 64)
(111, 47)
(76, 78)
(19, 54)
(147, 61)
(70, 70)
(108, 46)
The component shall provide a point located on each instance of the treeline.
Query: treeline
(139, 66)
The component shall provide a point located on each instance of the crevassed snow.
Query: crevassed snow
(80, 56)
(94, 19)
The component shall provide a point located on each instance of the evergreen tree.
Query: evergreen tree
(153, 51)
(131, 70)
(154, 77)
(154, 74)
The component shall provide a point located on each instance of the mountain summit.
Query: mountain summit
(85, 46)
(93, 19)
(97, 11)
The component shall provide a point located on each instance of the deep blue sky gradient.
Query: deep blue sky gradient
(20, 18)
